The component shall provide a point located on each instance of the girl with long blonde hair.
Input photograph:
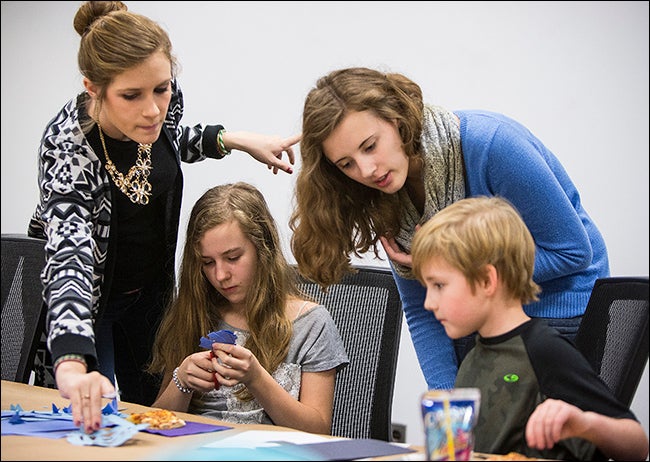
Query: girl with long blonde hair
(234, 277)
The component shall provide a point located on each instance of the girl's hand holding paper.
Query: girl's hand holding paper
(221, 336)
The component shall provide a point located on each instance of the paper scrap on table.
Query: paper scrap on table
(190, 428)
(264, 438)
(291, 445)
(353, 449)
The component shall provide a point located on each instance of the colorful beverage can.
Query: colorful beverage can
(449, 417)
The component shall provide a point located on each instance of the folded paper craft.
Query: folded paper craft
(58, 423)
(220, 336)
(115, 431)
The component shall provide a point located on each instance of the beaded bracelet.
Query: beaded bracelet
(69, 357)
(221, 145)
(178, 384)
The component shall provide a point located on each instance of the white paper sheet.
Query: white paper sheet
(262, 438)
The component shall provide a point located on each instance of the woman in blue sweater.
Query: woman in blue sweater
(377, 162)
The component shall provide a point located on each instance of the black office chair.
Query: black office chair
(23, 312)
(368, 313)
(613, 334)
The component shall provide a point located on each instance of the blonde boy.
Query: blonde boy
(539, 395)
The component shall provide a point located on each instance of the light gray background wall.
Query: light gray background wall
(576, 73)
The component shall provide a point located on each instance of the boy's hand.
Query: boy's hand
(552, 421)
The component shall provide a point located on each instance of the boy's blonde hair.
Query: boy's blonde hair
(479, 231)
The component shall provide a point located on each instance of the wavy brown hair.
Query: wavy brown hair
(114, 40)
(335, 216)
(194, 312)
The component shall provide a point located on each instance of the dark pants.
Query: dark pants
(124, 340)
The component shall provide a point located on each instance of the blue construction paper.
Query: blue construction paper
(58, 423)
(42, 428)
(19, 422)
(349, 449)
(220, 336)
(190, 428)
(47, 425)
(28, 416)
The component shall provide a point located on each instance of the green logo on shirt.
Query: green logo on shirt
(511, 378)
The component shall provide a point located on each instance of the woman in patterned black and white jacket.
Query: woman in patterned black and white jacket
(110, 196)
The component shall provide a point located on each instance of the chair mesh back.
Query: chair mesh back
(367, 311)
(613, 334)
(23, 259)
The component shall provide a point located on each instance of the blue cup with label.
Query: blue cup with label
(449, 418)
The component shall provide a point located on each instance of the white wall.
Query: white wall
(576, 73)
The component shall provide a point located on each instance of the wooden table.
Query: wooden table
(143, 446)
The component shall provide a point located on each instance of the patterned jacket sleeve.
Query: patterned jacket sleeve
(74, 217)
(195, 143)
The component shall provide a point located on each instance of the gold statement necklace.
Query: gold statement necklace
(135, 185)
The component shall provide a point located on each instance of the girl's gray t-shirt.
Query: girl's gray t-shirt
(315, 346)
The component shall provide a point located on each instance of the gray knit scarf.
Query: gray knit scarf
(443, 174)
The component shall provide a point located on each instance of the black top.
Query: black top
(139, 240)
(518, 370)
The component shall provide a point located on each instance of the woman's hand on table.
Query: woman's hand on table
(85, 391)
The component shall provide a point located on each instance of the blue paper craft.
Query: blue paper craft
(190, 428)
(51, 424)
(116, 433)
(220, 336)
(110, 408)
(58, 423)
